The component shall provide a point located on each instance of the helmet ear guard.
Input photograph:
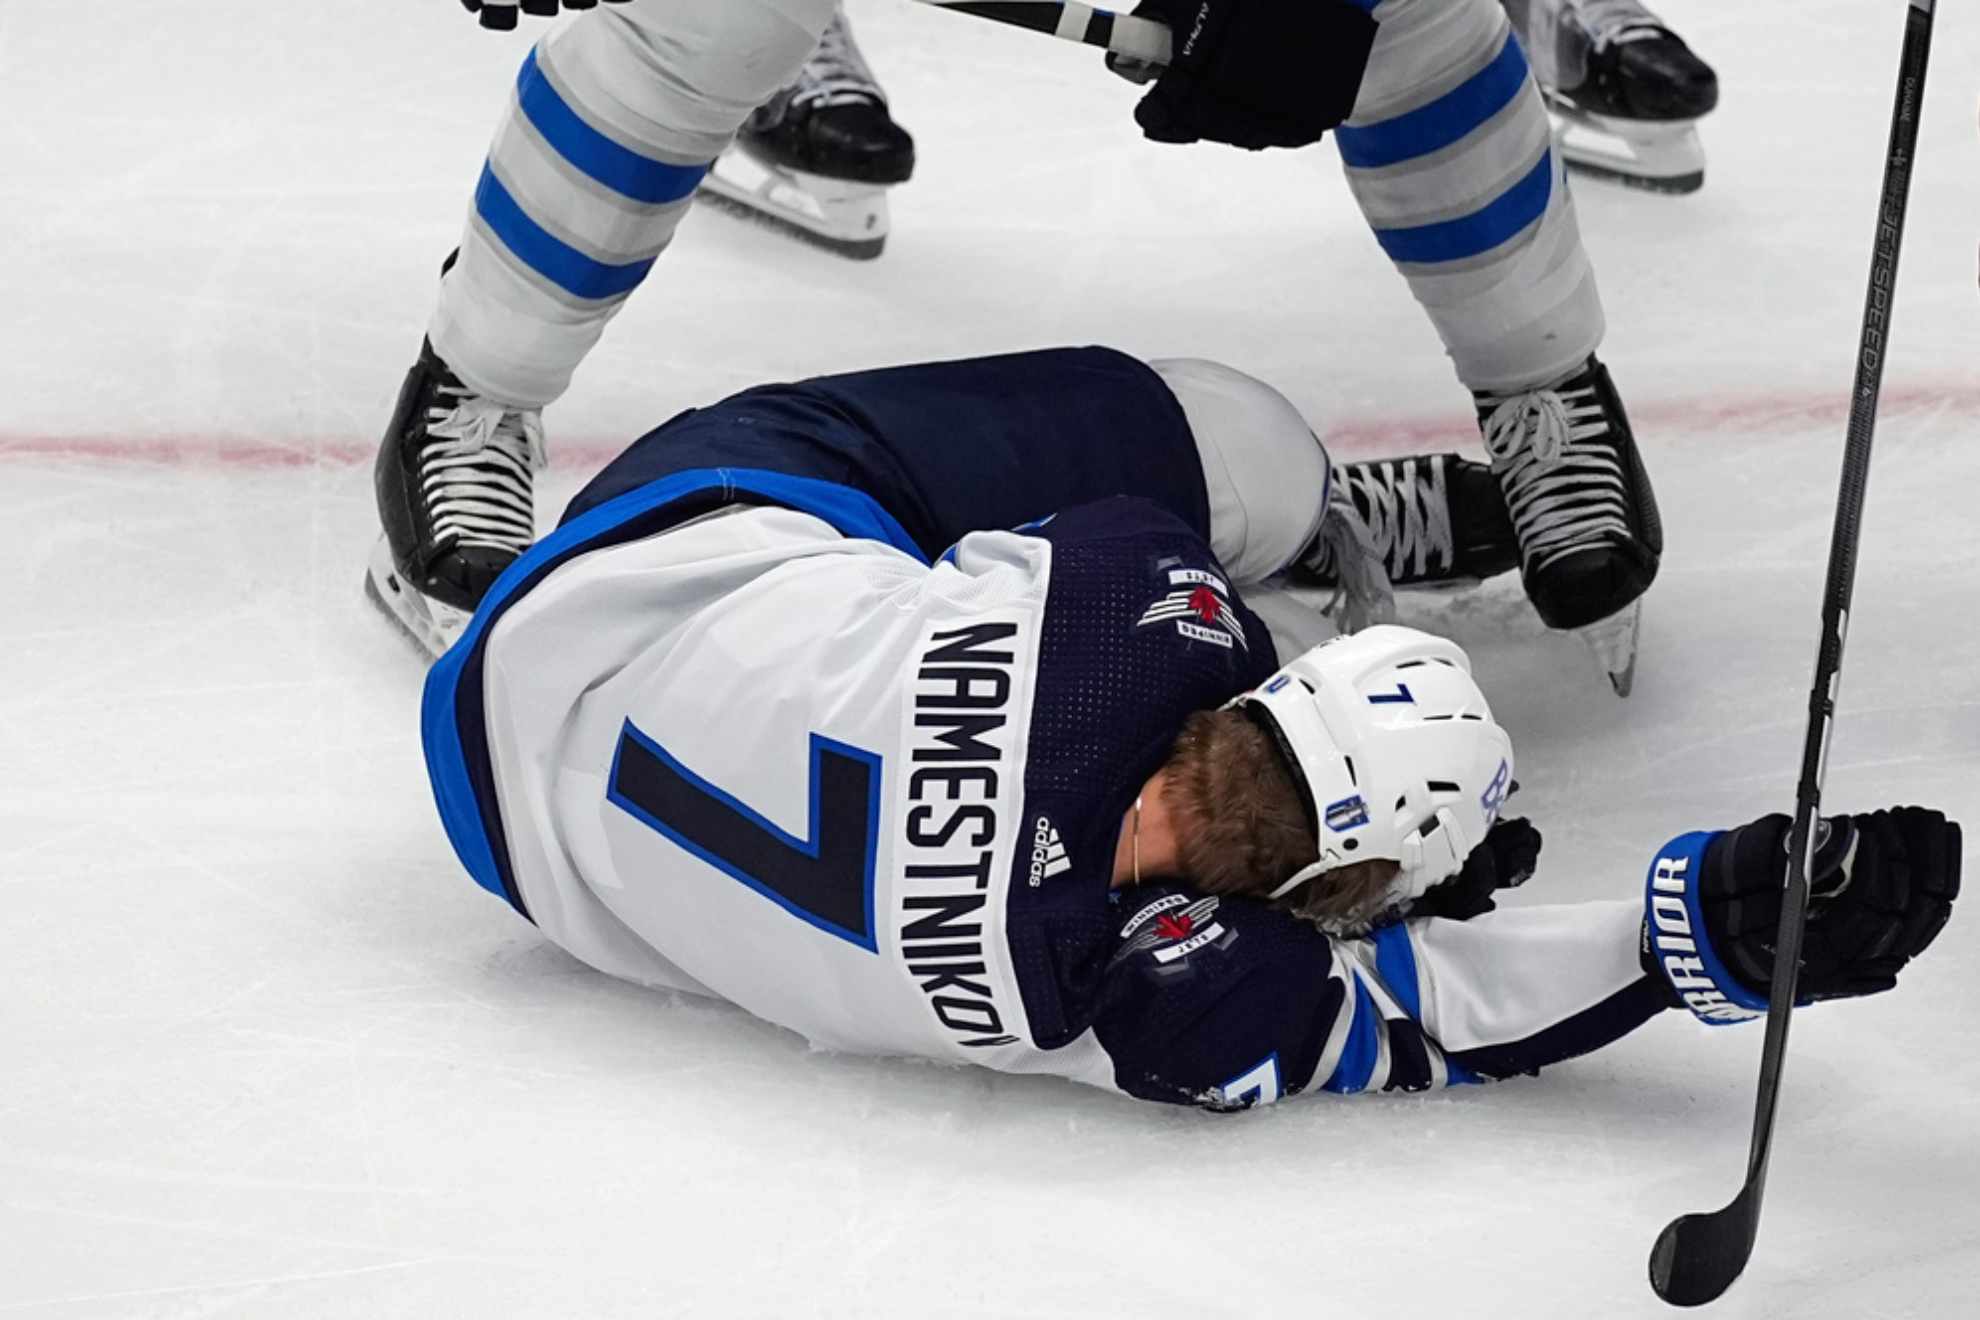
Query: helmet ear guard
(1388, 715)
(1437, 851)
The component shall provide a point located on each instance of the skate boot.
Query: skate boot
(1581, 506)
(1429, 520)
(1624, 91)
(819, 156)
(455, 485)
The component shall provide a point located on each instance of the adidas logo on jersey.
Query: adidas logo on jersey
(1048, 854)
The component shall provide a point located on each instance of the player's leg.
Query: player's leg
(612, 123)
(1265, 472)
(1450, 155)
(615, 119)
(988, 443)
(1278, 504)
(1623, 89)
(819, 156)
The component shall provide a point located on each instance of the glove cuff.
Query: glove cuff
(1676, 939)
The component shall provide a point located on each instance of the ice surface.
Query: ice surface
(265, 1052)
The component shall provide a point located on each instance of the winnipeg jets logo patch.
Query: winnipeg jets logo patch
(1173, 927)
(1197, 604)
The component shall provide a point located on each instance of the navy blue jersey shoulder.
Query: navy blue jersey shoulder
(948, 448)
(1220, 1002)
(1141, 628)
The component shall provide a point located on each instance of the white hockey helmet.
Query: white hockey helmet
(1394, 751)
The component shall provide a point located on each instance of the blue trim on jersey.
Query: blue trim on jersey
(1690, 848)
(1449, 118)
(1395, 963)
(1275, 1083)
(1364, 1045)
(808, 847)
(850, 512)
(1481, 231)
(619, 168)
(573, 271)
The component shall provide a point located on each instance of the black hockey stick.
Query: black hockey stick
(1139, 39)
(1698, 1256)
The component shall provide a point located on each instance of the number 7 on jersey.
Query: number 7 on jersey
(825, 879)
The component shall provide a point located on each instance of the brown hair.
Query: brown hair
(1241, 829)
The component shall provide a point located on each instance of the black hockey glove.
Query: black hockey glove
(501, 14)
(1881, 888)
(1504, 861)
(1254, 73)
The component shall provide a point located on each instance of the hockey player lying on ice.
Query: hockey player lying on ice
(777, 715)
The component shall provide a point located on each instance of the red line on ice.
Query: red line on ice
(1394, 435)
(1757, 412)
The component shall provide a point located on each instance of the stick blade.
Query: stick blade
(1697, 1257)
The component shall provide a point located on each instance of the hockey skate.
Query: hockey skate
(455, 483)
(1581, 507)
(1624, 91)
(818, 158)
(1426, 521)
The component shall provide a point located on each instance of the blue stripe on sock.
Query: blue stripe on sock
(1435, 126)
(545, 253)
(1482, 230)
(621, 169)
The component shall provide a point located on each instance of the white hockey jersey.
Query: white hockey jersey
(764, 751)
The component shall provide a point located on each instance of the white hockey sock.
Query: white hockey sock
(1451, 157)
(611, 125)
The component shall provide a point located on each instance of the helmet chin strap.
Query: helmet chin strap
(1426, 861)
(1298, 878)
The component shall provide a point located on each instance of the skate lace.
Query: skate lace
(836, 73)
(1407, 514)
(1560, 469)
(476, 471)
(1617, 22)
(1348, 552)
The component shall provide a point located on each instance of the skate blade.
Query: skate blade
(1664, 156)
(1613, 642)
(426, 623)
(847, 218)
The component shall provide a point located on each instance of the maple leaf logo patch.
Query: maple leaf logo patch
(1171, 928)
(1198, 605)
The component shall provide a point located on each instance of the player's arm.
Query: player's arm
(1279, 1008)
(1425, 1003)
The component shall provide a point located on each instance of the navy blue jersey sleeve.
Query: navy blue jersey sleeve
(1227, 1003)
(1141, 628)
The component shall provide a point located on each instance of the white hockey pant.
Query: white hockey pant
(616, 117)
